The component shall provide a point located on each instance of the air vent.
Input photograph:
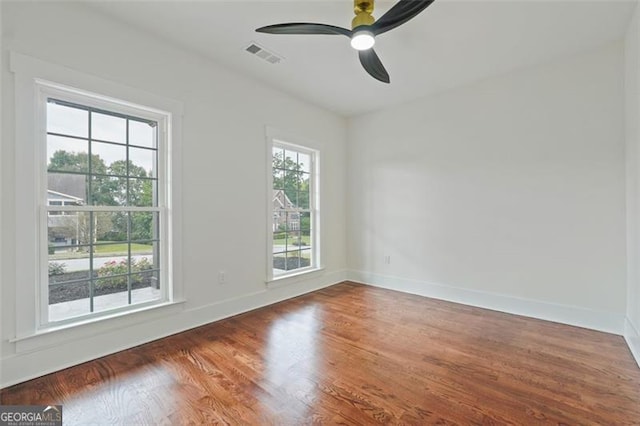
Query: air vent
(263, 53)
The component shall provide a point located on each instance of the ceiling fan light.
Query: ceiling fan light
(363, 40)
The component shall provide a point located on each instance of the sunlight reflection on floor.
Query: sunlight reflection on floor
(294, 349)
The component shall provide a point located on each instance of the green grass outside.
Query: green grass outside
(116, 249)
(122, 248)
(306, 240)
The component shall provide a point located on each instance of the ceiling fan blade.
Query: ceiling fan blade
(372, 64)
(304, 28)
(400, 13)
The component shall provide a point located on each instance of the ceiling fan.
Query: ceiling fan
(364, 29)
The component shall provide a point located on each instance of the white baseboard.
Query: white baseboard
(632, 336)
(25, 366)
(596, 320)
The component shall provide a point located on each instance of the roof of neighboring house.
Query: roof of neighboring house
(68, 184)
(59, 196)
(281, 198)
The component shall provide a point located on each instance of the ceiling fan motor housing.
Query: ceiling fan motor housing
(363, 10)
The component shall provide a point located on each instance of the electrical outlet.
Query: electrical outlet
(387, 259)
(222, 277)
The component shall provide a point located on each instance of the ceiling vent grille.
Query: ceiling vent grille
(263, 53)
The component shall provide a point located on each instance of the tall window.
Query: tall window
(294, 210)
(104, 207)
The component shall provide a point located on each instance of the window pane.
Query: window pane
(305, 258)
(66, 189)
(142, 162)
(146, 287)
(291, 184)
(293, 261)
(305, 221)
(305, 180)
(284, 220)
(290, 160)
(68, 300)
(144, 226)
(298, 259)
(67, 154)
(142, 192)
(278, 179)
(144, 265)
(111, 286)
(67, 121)
(112, 226)
(293, 240)
(110, 259)
(67, 229)
(303, 200)
(279, 204)
(108, 191)
(279, 221)
(142, 134)
(292, 197)
(279, 263)
(108, 128)
(304, 162)
(287, 199)
(278, 156)
(293, 221)
(148, 250)
(67, 264)
(108, 158)
(279, 242)
(110, 293)
(109, 227)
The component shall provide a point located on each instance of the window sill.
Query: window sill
(55, 335)
(295, 277)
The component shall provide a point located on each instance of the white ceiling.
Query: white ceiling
(451, 43)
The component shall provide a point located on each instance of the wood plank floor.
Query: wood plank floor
(353, 354)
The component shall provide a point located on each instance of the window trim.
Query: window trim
(46, 90)
(276, 138)
(28, 190)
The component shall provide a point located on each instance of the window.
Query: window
(65, 232)
(104, 206)
(293, 228)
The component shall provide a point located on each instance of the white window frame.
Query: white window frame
(34, 78)
(46, 90)
(278, 139)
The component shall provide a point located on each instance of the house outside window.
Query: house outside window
(293, 231)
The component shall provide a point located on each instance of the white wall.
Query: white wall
(632, 95)
(224, 157)
(2, 61)
(507, 194)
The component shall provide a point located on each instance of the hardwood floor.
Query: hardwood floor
(353, 354)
